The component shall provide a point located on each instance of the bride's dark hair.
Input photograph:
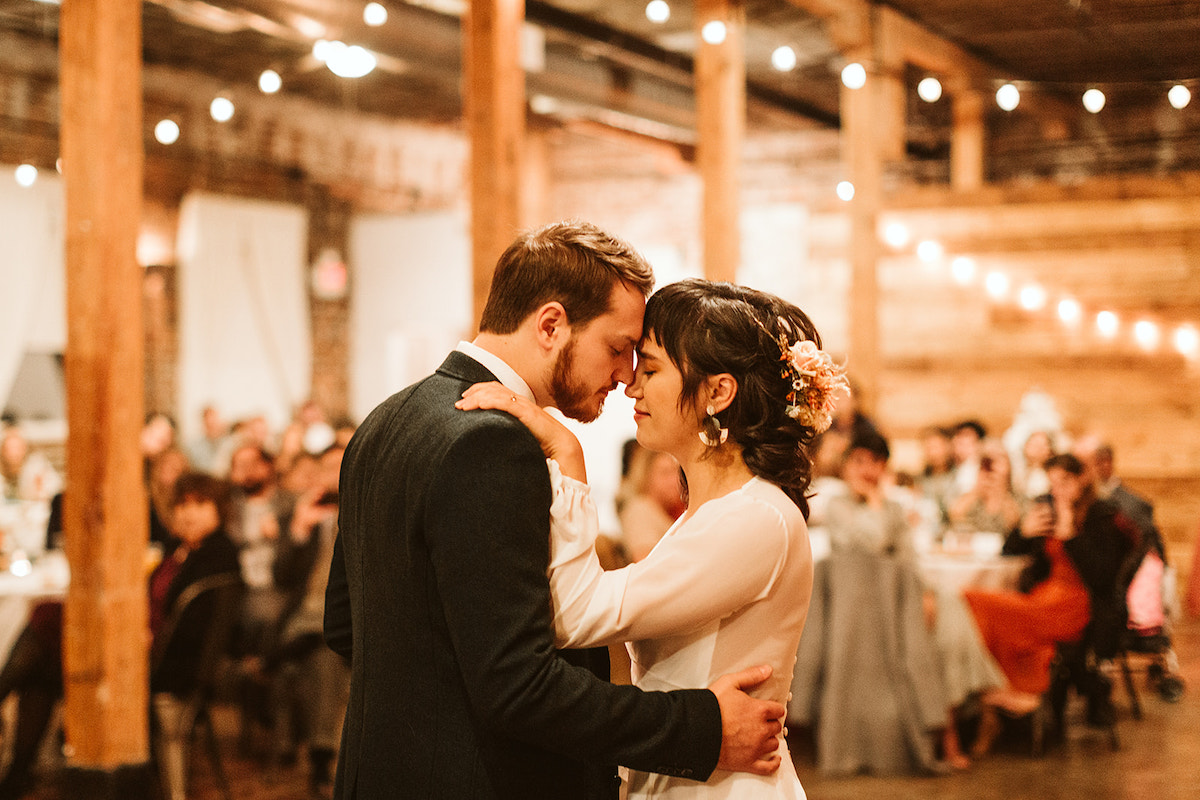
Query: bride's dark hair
(707, 328)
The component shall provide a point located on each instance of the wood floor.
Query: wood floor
(1159, 759)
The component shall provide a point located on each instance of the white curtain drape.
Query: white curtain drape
(32, 270)
(410, 300)
(245, 340)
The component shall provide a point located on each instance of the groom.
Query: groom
(438, 591)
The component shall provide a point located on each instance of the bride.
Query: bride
(732, 383)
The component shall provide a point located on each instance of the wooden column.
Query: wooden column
(329, 241)
(861, 153)
(105, 514)
(966, 140)
(720, 123)
(494, 107)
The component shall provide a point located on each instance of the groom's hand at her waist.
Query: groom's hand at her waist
(749, 726)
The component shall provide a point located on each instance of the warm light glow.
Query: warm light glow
(854, 75)
(1069, 311)
(1008, 97)
(1107, 324)
(1187, 341)
(58, 165)
(845, 191)
(270, 82)
(1179, 96)
(544, 104)
(783, 58)
(929, 90)
(221, 109)
(1146, 333)
(374, 14)
(166, 131)
(930, 251)
(962, 269)
(713, 32)
(1093, 100)
(349, 61)
(896, 235)
(658, 11)
(1032, 297)
(996, 284)
(26, 175)
(321, 49)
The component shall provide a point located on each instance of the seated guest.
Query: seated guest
(967, 443)
(990, 505)
(1079, 544)
(1032, 481)
(34, 666)
(649, 502)
(1098, 461)
(936, 481)
(25, 474)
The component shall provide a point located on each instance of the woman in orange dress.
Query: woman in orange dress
(1079, 544)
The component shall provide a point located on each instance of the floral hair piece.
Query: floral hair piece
(815, 382)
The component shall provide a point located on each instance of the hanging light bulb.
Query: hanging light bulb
(783, 58)
(845, 191)
(657, 11)
(929, 90)
(1069, 311)
(1179, 96)
(1093, 100)
(854, 75)
(1107, 324)
(349, 61)
(1008, 97)
(713, 32)
(962, 269)
(269, 82)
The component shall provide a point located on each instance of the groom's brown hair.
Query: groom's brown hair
(574, 263)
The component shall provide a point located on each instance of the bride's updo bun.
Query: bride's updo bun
(785, 391)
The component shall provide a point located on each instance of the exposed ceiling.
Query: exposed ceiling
(604, 59)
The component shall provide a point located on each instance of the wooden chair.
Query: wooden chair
(176, 718)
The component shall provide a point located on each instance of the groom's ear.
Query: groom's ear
(721, 389)
(551, 326)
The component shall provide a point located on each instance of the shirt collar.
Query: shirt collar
(498, 367)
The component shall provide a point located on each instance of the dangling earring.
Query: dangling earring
(712, 434)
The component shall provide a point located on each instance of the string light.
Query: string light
(713, 32)
(963, 270)
(930, 251)
(269, 82)
(375, 15)
(1179, 96)
(1008, 97)
(845, 191)
(657, 11)
(26, 175)
(783, 59)
(896, 235)
(1187, 341)
(1093, 100)
(1032, 297)
(1107, 324)
(1146, 334)
(221, 109)
(854, 75)
(996, 284)
(1069, 311)
(929, 90)
(166, 131)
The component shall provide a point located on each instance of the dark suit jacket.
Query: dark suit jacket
(438, 594)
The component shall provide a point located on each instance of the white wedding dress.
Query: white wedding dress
(726, 588)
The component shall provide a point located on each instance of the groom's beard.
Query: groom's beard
(570, 395)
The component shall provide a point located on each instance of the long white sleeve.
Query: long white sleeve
(716, 562)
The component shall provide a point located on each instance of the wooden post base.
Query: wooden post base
(119, 783)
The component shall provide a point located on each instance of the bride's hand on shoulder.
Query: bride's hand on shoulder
(556, 440)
